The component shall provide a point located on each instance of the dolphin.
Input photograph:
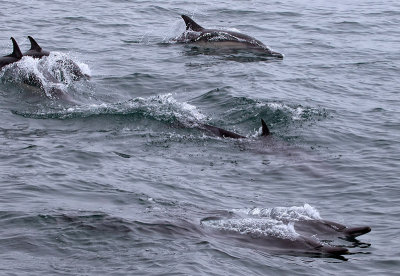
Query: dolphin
(297, 246)
(222, 39)
(223, 133)
(245, 237)
(37, 52)
(15, 56)
(31, 79)
(246, 232)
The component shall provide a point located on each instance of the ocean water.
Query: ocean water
(119, 180)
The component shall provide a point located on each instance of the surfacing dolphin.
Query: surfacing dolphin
(37, 52)
(45, 81)
(15, 56)
(222, 39)
(247, 233)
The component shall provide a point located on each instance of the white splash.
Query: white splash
(294, 213)
(255, 227)
(297, 112)
(265, 222)
(161, 107)
(49, 74)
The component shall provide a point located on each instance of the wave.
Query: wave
(238, 114)
(255, 228)
(161, 107)
(237, 110)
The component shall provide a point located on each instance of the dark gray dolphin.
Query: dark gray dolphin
(222, 39)
(37, 52)
(223, 133)
(15, 56)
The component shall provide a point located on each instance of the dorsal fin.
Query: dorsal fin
(34, 45)
(16, 51)
(265, 129)
(190, 24)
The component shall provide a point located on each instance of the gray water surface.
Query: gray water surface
(118, 181)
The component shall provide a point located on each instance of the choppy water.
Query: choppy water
(119, 180)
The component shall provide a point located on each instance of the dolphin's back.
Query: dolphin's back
(215, 35)
(36, 51)
(222, 38)
(223, 133)
(13, 57)
(6, 60)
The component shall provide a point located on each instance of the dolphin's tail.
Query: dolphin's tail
(34, 45)
(265, 129)
(16, 51)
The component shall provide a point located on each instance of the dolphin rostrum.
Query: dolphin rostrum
(15, 56)
(222, 39)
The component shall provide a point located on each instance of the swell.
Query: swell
(239, 114)
(61, 232)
